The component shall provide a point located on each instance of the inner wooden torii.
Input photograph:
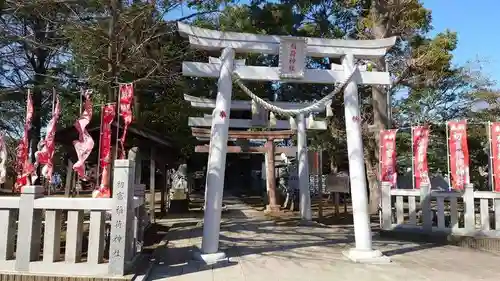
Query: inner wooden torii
(269, 149)
(260, 118)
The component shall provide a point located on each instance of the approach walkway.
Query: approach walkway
(262, 249)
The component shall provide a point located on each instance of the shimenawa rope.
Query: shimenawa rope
(294, 112)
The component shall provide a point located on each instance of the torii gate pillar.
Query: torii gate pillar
(303, 167)
(363, 251)
(214, 187)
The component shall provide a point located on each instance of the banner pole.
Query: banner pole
(98, 172)
(118, 111)
(53, 99)
(80, 111)
(379, 176)
(448, 156)
(81, 103)
(412, 160)
(53, 109)
(491, 171)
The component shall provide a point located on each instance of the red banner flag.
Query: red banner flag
(126, 99)
(46, 152)
(23, 165)
(85, 143)
(420, 143)
(387, 156)
(495, 153)
(108, 115)
(459, 154)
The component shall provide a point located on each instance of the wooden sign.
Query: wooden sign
(292, 57)
(337, 183)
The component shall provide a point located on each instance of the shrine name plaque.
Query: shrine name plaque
(292, 57)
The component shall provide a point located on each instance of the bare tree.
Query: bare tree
(32, 51)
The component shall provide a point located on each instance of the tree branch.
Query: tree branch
(196, 14)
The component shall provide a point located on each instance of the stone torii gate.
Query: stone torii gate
(292, 69)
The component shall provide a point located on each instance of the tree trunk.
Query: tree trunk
(40, 68)
(380, 122)
(36, 124)
(137, 109)
(372, 178)
(380, 113)
(69, 176)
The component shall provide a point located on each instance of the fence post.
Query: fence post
(386, 206)
(7, 233)
(469, 208)
(425, 205)
(29, 228)
(122, 216)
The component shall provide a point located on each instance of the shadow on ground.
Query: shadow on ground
(249, 238)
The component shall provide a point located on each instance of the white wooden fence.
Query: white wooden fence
(73, 236)
(466, 213)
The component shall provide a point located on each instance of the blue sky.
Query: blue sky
(475, 24)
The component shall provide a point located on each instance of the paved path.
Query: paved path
(266, 250)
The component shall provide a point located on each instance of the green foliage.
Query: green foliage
(143, 49)
(381, 18)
